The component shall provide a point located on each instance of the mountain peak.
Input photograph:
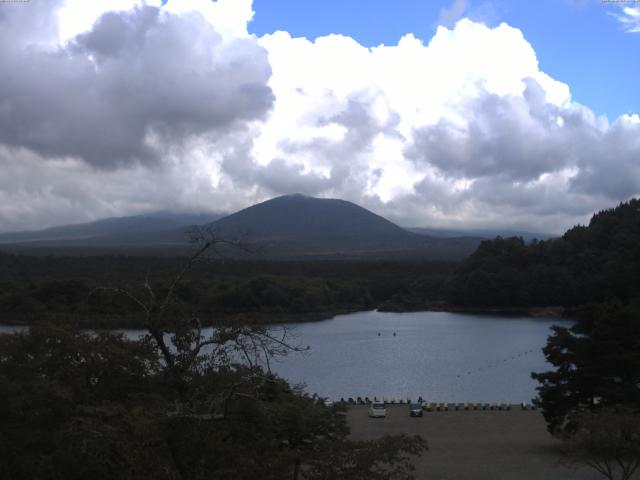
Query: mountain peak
(293, 195)
(321, 221)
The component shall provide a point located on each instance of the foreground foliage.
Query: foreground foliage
(78, 405)
(597, 365)
(175, 404)
(592, 399)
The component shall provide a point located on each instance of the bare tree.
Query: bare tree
(608, 441)
(177, 330)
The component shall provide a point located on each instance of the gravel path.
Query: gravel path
(475, 445)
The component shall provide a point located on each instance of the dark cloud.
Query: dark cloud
(522, 162)
(609, 161)
(36, 193)
(139, 82)
(512, 140)
(512, 136)
(275, 178)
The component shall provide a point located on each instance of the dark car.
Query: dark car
(415, 410)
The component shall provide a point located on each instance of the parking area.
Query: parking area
(475, 445)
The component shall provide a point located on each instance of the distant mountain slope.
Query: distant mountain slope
(294, 225)
(291, 226)
(148, 228)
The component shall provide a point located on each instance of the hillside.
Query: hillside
(595, 263)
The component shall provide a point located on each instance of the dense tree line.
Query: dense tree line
(595, 263)
(59, 289)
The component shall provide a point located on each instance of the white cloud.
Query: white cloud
(451, 84)
(462, 130)
(629, 17)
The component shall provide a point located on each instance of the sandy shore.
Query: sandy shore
(475, 445)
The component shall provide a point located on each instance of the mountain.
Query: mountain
(163, 227)
(291, 226)
(297, 225)
(297, 218)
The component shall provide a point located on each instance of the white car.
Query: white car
(377, 409)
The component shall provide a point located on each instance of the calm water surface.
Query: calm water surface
(443, 357)
(440, 356)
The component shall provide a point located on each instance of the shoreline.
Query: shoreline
(274, 318)
(533, 312)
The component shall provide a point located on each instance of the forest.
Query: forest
(82, 289)
(593, 264)
(589, 264)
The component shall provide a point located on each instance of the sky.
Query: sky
(456, 114)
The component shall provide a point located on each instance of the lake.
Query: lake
(441, 356)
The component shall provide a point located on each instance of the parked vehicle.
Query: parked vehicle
(377, 410)
(415, 410)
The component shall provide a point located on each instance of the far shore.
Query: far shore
(534, 312)
(273, 318)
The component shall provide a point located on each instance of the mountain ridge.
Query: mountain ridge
(287, 226)
(108, 229)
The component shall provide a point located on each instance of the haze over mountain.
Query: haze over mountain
(286, 226)
(481, 233)
(152, 228)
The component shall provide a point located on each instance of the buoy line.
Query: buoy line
(495, 364)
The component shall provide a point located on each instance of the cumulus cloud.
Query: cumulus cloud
(137, 83)
(37, 192)
(177, 106)
(439, 132)
(514, 137)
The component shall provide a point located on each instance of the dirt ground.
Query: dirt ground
(475, 445)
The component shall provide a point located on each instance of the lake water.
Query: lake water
(443, 357)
